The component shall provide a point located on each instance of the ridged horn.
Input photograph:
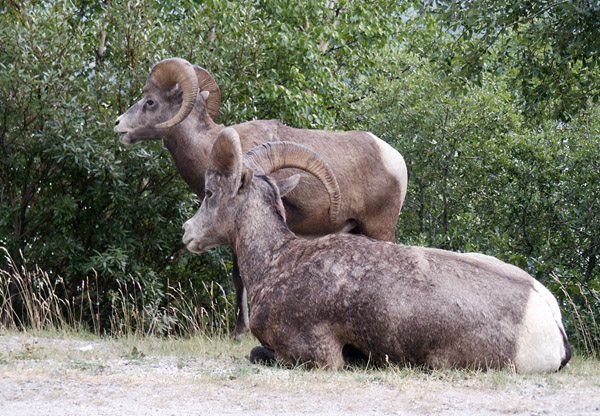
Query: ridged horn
(173, 71)
(226, 155)
(207, 83)
(272, 156)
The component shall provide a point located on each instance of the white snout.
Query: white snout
(187, 235)
(196, 241)
(122, 127)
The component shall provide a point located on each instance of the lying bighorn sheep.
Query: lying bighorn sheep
(179, 105)
(317, 300)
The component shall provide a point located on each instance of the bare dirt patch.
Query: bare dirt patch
(58, 375)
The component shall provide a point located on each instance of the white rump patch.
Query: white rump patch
(394, 164)
(540, 346)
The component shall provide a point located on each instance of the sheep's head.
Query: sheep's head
(172, 89)
(235, 180)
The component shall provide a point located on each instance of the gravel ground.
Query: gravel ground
(73, 376)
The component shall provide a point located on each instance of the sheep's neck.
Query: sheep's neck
(259, 244)
(189, 146)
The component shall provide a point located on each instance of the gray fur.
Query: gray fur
(373, 195)
(317, 300)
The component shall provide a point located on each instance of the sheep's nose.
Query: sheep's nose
(117, 122)
(186, 236)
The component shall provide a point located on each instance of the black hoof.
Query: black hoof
(262, 355)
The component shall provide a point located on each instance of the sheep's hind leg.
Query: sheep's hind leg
(242, 324)
(384, 231)
(327, 354)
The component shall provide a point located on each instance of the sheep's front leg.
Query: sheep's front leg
(324, 354)
(241, 302)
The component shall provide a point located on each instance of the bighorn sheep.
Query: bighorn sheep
(317, 300)
(179, 105)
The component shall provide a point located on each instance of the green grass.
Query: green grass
(223, 360)
(206, 347)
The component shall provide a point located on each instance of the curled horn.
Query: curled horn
(207, 83)
(173, 71)
(273, 156)
(226, 155)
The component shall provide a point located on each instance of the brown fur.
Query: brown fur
(371, 196)
(390, 302)
(314, 300)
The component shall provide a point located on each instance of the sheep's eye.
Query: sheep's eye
(150, 103)
(208, 194)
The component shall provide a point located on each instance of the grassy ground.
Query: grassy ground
(28, 346)
(184, 376)
(67, 372)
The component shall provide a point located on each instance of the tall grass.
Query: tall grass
(581, 316)
(183, 314)
(30, 298)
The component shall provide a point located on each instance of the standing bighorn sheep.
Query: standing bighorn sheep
(179, 105)
(321, 299)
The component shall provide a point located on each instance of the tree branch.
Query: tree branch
(533, 16)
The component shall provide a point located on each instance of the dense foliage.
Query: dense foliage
(549, 49)
(494, 166)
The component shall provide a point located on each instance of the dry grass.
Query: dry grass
(44, 348)
(33, 295)
(222, 359)
(31, 298)
(183, 313)
(65, 374)
(587, 329)
(197, 329)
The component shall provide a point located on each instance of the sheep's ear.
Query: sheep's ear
(247, 176)
(205, 94)
(286, 185)
(225, 155)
